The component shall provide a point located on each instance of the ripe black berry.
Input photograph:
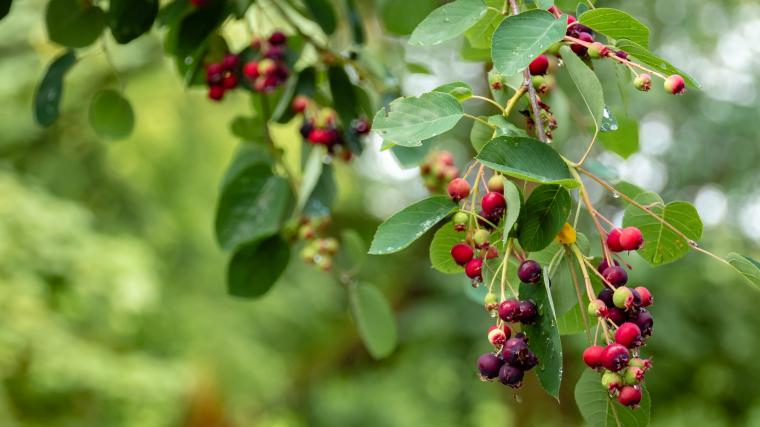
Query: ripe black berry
(509, 310)
(489, 365)
(528, 312)
(510, 376)
(616, 276)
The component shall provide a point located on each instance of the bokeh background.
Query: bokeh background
(113, 309)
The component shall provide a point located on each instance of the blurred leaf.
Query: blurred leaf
(587, 83)
(513, 197)
(323, 13)
(544, 4)
(625, 140)
(544, 337)
(400, 17)
(311, 173)
(245, 156)
(323, 195)
(47, 99)
(480, 134)
(190, 38)
(661, 244)
(616, 24)
(447, 22)
(480, 35)
(409, 157)
(355, 22)
(248, 128)
(630, 190)
(473, 54)
(251, 207)
(526, 158)
(129, 19)
(746, 266)
(654, 61)
(74, 23)
(459, 90)
(255, 268)
(409, 121)
(353, 250)
(599, 410)
(546, 211)
(111, 115)
(374, 319)
(417, 68)
(5, 7)
(440, 249)
(172, 12)
(344, 96)
(407, 225)
(521, 38)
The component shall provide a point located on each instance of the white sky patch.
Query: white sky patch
(712, 204)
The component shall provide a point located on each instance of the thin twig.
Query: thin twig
(488, 100)
(584, 313)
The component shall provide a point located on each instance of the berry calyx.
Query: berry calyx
(643, 82)
(644, 364)
(498, 336)
(496, 183)
(509, 310)
(623, 298)
(616, 276)
(489, 365)
(460, 221)
(613, 240)
(528, 312)
(645, 296)
(480, 238)
(458, 189)
(598, 50)
(529, 272)
(615, 357)
(474, 269)
(629, 335)
(631, 239)
(462, 253)
(493, 204)
(612, 381)
(539, 65)
(630, 396)
(593, 356)
(675, 84)
(597, 308)
(510, 376)
(633, 375)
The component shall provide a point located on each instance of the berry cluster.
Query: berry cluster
(510, 363)
(320, 127)
(222, 76)
(437, 169)
(318, 249)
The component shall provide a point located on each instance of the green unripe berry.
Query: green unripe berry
(496, 183)
(633, 375)
(611, 380)
(643, 82)
(596, 308)
(460, 221)
(623, 297)
(480, 238)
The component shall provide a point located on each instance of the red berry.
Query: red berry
(474, 269)
(251, 70)
(615, 357)
(529, 272)
(492, 252)
(616, 276)
(645, 296)
(613, 240)
(498, 336)
(621, 54)
(214, 74)
(675, 84)
(630, 395)
(570, 20)
(458, 189)
(603, 265)
(594, 356)
(231, 62)
(278, 38)
(446, 158)
(539, 65)
(509, 310)
(489, 365)
(462, 253)
(230, 81)
(493, 204)
(216, 92)
(616, 315)
(299, 104)
(631, 239)
(275, 52)
(629, 335)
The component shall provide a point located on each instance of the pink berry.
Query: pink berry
(675, 84)
(251, 70)
(474, 269)
(630, 395)
(299, 104)
(498, 336)
(631, 239)
(229, 81)
(493, 204)
(613, 240)
(458, 189)
(615, 357)
(645, 296)
(580, 49)
(629, 335)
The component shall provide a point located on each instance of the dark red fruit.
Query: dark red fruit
(631, 239)
(616, 315)
(528, 312)
(510, 376)
(515, 350)
(580, 49)
(509, 310)
(645, 295)
(462, 253)
(616, 276)
(616, 357)
(606, 296)
(216, 92)
(214, 74)
(529, 272)
(474, 269)
(629, 335)
(492, 252)
(275, 52)
(230, 81)
(278, 38)
(603, 265)
(643, 319)
(539, 65)
(621, 54)
(458, 189)
(613, 240)
(361, 126)
(489, 365)
(630, 395)
(231, 62)
(299, 104)
(593, 356)
(493, 204)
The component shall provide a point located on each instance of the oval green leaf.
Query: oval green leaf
(661, 244)
(521, 38)
(74, 23)
(625, 140)
(480, 35)
(616, 24)
(746, 266)
(586, 82)
(374, 319)
(514, 200)
(528, 159)
(546, 211)
(255, 268)
(111, 115)
(323, 13)
(447, 22)
(400, 17)
(129, 19)
(599, 410)
(459, 90)
(407, 225)
(5, 7)
(544, 338)
(409, 121)
(355, 22)
(440, 249)
(47, 99)
(644, 55)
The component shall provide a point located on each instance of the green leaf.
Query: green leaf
(190, 38)
(746, 266)
(407, 225)
(544, 338)
(111, 115)
(255, 268)
(546, 211)
(571, 323)
(171, 13)
(409, 121)
(440, 249)
(459, 90)
(616, 24)
(447, 22)
(323, 195)
(248, 128)
(74, 23)
(5, 8)
(374, 319)
(47, 99)
(480, 134)
(355, 22)
(345, 101)
(526, 158)
(311, 173)
(416, 68)
(654, 61)
(409, 157)
(400, 17)
(251, 207)
(661, 244)
(521, 38)
(245, 156)
(323, 13)
(513, 196)
(599, 410)
(129, 19)
(586, 82)
(480, 35)
(625, 140)
(353, 250)
(544, 4)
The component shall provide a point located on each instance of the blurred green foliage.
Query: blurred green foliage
(112, 300)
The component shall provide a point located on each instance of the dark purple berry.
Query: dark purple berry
(489, 365)
(528, 312)
(616, 357)
(643, 319)
(509, 310)
(603, 265)
(606, 296)
(615, 275)
(529, 272)
(510, 376)
(617, 315)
